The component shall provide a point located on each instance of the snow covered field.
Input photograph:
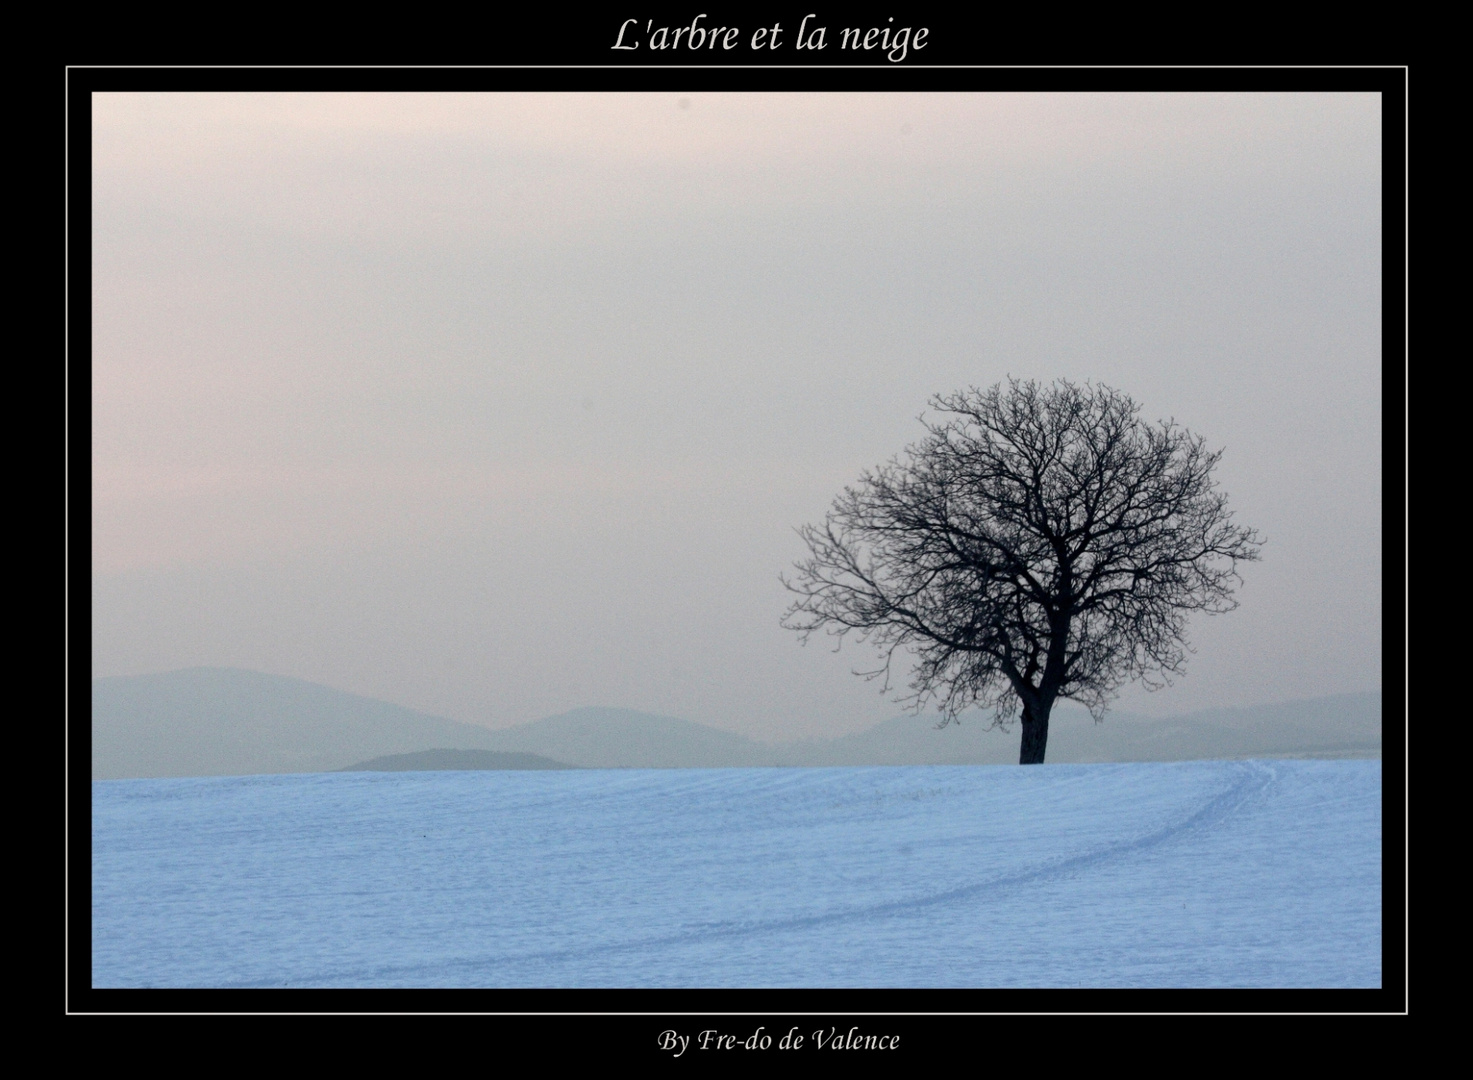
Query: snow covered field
(1204, 873)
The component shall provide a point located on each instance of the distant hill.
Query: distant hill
(1345, 725)
(1341, 726)
(454, 761)
(622, 738)
(226, 721)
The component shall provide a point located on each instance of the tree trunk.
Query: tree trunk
(1035, 736)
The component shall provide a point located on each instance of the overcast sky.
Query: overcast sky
(496, 405)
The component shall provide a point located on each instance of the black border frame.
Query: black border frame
(628, 1021)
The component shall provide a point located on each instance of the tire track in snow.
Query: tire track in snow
(1252, 783)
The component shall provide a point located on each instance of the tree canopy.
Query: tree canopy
(1040, 542)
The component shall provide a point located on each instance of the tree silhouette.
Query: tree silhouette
(1041, 542)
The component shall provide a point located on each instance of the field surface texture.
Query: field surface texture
(1203, 873)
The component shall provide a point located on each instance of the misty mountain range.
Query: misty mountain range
(227, 721)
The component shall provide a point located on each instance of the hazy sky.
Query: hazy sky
(495, 405)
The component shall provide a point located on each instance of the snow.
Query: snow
(1203, 873)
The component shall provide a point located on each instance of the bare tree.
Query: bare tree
(1039, 543)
